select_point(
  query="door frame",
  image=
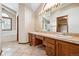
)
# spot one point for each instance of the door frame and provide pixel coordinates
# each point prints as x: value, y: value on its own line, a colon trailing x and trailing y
x: 17, y: 28
x: 57, y: 22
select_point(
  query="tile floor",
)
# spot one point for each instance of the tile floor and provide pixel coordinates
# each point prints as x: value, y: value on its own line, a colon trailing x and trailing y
x: 15, y: 49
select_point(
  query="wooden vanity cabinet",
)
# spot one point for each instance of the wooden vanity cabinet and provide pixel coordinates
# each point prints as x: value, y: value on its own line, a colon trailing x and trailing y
x: 50, y: 46
x: 55, y: 47
x: 66, y: 49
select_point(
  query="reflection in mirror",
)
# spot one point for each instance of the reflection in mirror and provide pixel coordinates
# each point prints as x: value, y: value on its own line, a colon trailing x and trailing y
x: 46, y: 24
x: 62, y: 24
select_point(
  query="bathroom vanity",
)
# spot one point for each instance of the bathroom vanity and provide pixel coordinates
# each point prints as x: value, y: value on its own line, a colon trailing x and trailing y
x: 56, y: 44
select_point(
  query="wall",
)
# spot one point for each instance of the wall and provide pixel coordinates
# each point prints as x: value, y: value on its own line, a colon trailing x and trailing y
x: 29, y: 21
x: 26, y: 22
x: 10, y: 35
x: 38, y: 23
x: 38, y: 19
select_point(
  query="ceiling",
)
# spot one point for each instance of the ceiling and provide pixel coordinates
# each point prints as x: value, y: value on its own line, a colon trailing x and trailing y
x: 34, y: 6
x: 14, y: 6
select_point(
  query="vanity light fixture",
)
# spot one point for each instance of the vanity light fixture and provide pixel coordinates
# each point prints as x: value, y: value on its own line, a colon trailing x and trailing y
x: 47, y: 6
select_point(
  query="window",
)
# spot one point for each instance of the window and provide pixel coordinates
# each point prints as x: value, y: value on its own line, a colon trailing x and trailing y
x: 7, y: 22
x: 4, y: 15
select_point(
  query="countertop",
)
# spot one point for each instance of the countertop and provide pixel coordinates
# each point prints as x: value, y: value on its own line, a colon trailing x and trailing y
x: 59, y: 36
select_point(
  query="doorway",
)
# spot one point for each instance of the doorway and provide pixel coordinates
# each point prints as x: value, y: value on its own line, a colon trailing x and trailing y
x: 62, y: 23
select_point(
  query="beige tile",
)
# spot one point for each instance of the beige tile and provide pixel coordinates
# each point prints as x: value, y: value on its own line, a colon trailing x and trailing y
x: 15, y: 49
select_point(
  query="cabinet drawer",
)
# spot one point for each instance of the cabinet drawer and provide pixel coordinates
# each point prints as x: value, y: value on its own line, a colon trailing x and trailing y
x: 50, y: 40
x: 50, y: 45
x: 39, y: 37
x: 50, y: 52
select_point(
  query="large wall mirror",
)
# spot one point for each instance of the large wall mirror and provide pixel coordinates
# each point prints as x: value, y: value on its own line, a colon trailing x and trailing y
x: 64, y: 18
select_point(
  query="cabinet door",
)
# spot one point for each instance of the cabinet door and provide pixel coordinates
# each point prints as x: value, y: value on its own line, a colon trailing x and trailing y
x: 61, y: 49
x: 74, y: 50
x: 66, y: 49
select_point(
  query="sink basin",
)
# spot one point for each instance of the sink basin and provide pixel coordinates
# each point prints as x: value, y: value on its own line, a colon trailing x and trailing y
x: 59, y: 33
x: 66, y: 34
x: 71, y: 34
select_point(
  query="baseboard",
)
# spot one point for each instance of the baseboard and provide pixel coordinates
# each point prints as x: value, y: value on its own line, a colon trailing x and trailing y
x: 24, y: 43
x: 0, y: 52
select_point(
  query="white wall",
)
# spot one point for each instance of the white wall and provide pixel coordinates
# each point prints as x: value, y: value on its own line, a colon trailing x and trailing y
x: 38, y: 23
x: 26, y: 22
